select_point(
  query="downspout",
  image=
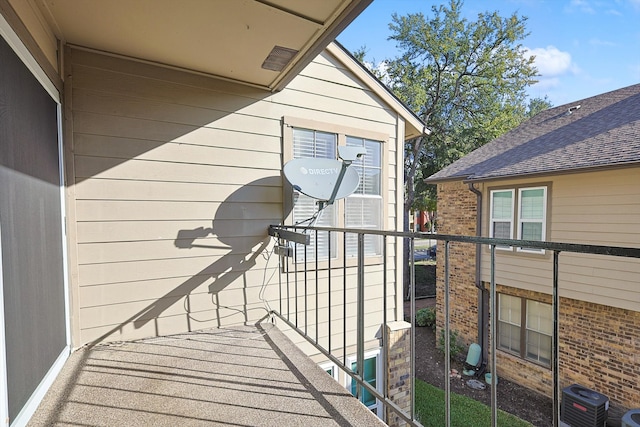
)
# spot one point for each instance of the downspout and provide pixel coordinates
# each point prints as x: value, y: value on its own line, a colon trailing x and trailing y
x: 483, y: 300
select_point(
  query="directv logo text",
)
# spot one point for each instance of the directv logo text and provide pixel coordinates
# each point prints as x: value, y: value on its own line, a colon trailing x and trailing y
x: 320, y: 171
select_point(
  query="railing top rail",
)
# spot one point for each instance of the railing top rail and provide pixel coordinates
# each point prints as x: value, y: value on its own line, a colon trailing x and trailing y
x: 553, y: 246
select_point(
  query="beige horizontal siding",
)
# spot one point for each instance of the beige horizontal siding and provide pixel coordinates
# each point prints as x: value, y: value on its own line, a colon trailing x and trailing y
x: 176, y: 180
x: 131, y: 231
x: 96, y: 189
x: 599, y: 208
x: 112, y: 168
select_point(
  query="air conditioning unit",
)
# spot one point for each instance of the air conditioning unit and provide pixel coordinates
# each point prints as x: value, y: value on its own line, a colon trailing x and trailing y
x: 631, y: 418
x: 582, y: 407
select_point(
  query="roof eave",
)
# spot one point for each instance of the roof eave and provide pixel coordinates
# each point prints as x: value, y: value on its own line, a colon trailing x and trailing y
x: 471, y: 179
x: 414, y: 126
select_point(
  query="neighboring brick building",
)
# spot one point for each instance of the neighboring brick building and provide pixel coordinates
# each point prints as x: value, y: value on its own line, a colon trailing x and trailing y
x: 570, y: 174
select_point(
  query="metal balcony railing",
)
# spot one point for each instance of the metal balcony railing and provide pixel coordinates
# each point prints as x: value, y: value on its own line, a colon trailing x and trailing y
x: 320, y: 271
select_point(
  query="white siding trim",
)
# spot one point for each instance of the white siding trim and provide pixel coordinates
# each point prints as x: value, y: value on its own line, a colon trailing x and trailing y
x: 63, y: 225
x: 23, y: 53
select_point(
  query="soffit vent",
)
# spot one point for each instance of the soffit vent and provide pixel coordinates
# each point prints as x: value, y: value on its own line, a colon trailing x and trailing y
x: 278, y: 58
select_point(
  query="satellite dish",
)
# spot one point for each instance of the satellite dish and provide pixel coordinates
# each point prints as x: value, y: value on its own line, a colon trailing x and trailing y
x: 318, y: 177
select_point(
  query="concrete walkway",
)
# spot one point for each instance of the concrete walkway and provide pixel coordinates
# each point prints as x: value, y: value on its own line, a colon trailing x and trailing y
x: 239, y: 376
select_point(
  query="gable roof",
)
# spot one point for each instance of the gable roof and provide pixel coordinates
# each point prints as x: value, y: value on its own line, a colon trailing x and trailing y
x: 597, y: 132
x: 414, y: 126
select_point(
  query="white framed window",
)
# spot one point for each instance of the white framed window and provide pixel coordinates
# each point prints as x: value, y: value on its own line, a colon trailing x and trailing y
x: 365, y: 208
x: 510, y: 318
x: 532, y: 215
x: 539, y: 332
x: 372, y: 372
x: 308, y: 143
x: 525, y: 328
x: 501, y: 215
x: 519, y: 212
x: 331, y: 369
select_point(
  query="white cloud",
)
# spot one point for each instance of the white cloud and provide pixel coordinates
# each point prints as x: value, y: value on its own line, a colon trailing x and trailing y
x: 598, y: 43
x: 583, y: 5
x: 551, y: 61
x: 547, y: 84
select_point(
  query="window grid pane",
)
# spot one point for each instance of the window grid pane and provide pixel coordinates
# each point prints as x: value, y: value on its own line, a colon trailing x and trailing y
x: 510, y: 309
x: 539, y: 347
x: 502, y: 205
x: 363, y: 209
x: 363, y: 212
x: 531, y: 215
x: 531, y: 231
x: 502, y: 230
x: 369, y: 166
x: 309, y: 143
x: 509, y: 320
x: 539, y: 317
x: 509, y: 337
x: 501, y: 215
x: 532, y: 204
x: 369, y: 375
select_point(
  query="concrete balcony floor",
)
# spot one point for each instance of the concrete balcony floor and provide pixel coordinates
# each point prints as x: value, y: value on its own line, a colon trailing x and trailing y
x: 234, y: 376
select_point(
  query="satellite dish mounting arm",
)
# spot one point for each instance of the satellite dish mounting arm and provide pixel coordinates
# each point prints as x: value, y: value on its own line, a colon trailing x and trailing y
x: 348, y: 155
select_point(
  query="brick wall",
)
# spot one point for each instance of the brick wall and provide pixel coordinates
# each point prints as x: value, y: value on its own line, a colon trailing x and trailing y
x: 600, y: 349
x: 399, y: 370
x: 457, y: 215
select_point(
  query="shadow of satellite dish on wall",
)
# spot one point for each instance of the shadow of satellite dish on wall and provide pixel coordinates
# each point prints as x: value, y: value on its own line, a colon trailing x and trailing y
x: 241, y: 224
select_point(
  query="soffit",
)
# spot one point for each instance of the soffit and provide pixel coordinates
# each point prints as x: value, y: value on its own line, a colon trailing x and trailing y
x: 226, y: 38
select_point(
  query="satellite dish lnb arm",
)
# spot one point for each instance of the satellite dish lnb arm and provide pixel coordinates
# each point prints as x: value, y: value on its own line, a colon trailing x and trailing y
x: 348, y: 155
x: 343, y: 169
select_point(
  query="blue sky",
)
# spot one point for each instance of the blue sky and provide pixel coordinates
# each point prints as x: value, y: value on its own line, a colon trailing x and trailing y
x: 582, y: 47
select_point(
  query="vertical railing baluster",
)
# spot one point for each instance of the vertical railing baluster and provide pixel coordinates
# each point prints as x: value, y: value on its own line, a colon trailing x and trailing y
x: 306, y: 292
x: 447, y: 353
x: 493, y: 316
x: 295, y: 287
x: 317, y: 281
x: 412, y: 315
x: 385, y: 346
x: 360, y: 314
x: 329, y: 289
x: 556, y: 342
x: 287, y: 265
x: 281, y: 263
x: 344, y: 298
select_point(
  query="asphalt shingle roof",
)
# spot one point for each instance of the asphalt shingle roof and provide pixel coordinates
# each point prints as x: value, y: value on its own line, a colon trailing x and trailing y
x: 603, y: 131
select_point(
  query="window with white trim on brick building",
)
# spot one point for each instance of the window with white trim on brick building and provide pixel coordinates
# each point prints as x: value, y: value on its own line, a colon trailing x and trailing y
x: 525, y: 328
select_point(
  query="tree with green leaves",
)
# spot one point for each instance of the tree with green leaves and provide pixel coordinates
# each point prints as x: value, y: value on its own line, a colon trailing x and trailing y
x: 465, y: 79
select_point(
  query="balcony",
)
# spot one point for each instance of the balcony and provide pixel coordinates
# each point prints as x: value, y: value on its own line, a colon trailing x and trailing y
x: 242, y: 376
x: 337, y: 308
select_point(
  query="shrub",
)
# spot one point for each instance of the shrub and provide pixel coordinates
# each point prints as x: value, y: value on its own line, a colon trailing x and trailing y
x: 426, y: 317
x: 455, y: 346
